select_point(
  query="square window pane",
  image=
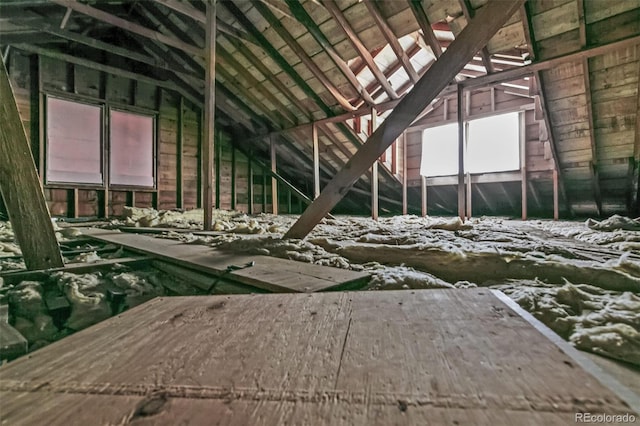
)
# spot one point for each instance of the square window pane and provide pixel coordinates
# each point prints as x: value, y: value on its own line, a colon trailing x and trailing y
x: 131, y: 155
x: 494, y: 144
x: 440, y: 151
x: 73, y: 142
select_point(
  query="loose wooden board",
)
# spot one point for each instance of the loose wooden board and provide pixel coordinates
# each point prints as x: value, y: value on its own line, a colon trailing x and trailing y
x: 365, y: 358
x: 269, y: 273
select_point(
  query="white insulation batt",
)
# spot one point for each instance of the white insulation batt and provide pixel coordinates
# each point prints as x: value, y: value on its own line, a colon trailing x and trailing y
x: 87, y: 295
x: 582, y: 279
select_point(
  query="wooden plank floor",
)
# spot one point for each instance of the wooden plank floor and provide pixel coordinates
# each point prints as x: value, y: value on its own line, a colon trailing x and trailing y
x: 269, y: 273
x: 424, y: 357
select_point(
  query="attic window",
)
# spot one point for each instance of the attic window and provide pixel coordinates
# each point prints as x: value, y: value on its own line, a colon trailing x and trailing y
x: 493, y: 144
x: 131, y: 149
x: 440, y: 151
x: 74, y: 142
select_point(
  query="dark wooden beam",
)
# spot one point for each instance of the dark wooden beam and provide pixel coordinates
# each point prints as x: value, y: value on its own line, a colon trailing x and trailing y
x: 298, y: 10
x: 208, y: 138
x: 107, y: 69
x: 107, y: 47
x: 357, y: 43
x: 487, y: 22
x: 425, y: 26
x: 116, y: 21
x: 20, y: 187
x: 391, y: 38
x: 300, y: 52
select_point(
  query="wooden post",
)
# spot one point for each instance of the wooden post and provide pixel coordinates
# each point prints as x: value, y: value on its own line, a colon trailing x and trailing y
x: 249, y: 186
x: 475, y: 35
x: 179, y: 154
x: 461, y: 197
x: 274, y: 182
x: 423, y: 193
x: 469, y: 196
x: 234, y: 192
x: 556, y: 212
x: 374, y: 170
x: 264, y: 190
x: 20, y: 187
x: 523, y: 163
x: 209, y: 114
x: 217, y: 149
x: 405, y: 201
x: 316, y: 161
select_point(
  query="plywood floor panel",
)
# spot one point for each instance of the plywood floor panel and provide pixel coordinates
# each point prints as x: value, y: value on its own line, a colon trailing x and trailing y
x: 420, y: 357
x: 269, y: 273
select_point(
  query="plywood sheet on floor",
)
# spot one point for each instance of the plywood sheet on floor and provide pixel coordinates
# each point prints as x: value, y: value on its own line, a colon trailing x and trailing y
x: 367, y: 358
x: 269, y: 273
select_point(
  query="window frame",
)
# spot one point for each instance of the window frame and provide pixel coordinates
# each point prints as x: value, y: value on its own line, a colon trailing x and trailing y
x: 105, y: 141
x: 154, y: 148
x: 519, y: 113
x: 46, y: 147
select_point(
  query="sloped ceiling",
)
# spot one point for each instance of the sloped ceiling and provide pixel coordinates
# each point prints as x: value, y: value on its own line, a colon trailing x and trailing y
x: 282, y: 64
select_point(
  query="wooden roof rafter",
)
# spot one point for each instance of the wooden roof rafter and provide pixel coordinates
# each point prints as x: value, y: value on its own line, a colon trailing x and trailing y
x: 226, y: 58
x: 595, y: 175
x: 469, y: 13
x: 489, y: 20
x: 128, y: 53
x: 277, y: 57
x: 301, y: 15
x: 304, y: 57
x: 427, y: 31
x: 391, y: 38
x: 129, y: 26
x: 357, y: 43
x: 269, y: 76
x: 530, y: 39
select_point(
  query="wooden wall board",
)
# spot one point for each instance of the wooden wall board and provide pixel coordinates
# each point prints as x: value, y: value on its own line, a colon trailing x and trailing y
x: 361, y: 358
x: 270, y: 273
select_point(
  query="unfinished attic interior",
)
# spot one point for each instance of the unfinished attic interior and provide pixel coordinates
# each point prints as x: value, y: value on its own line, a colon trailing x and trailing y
x: 319, y: 212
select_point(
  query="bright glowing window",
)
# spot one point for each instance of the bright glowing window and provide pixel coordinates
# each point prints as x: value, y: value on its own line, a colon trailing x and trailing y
x: 493, y: 144
x: 440, y: 151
